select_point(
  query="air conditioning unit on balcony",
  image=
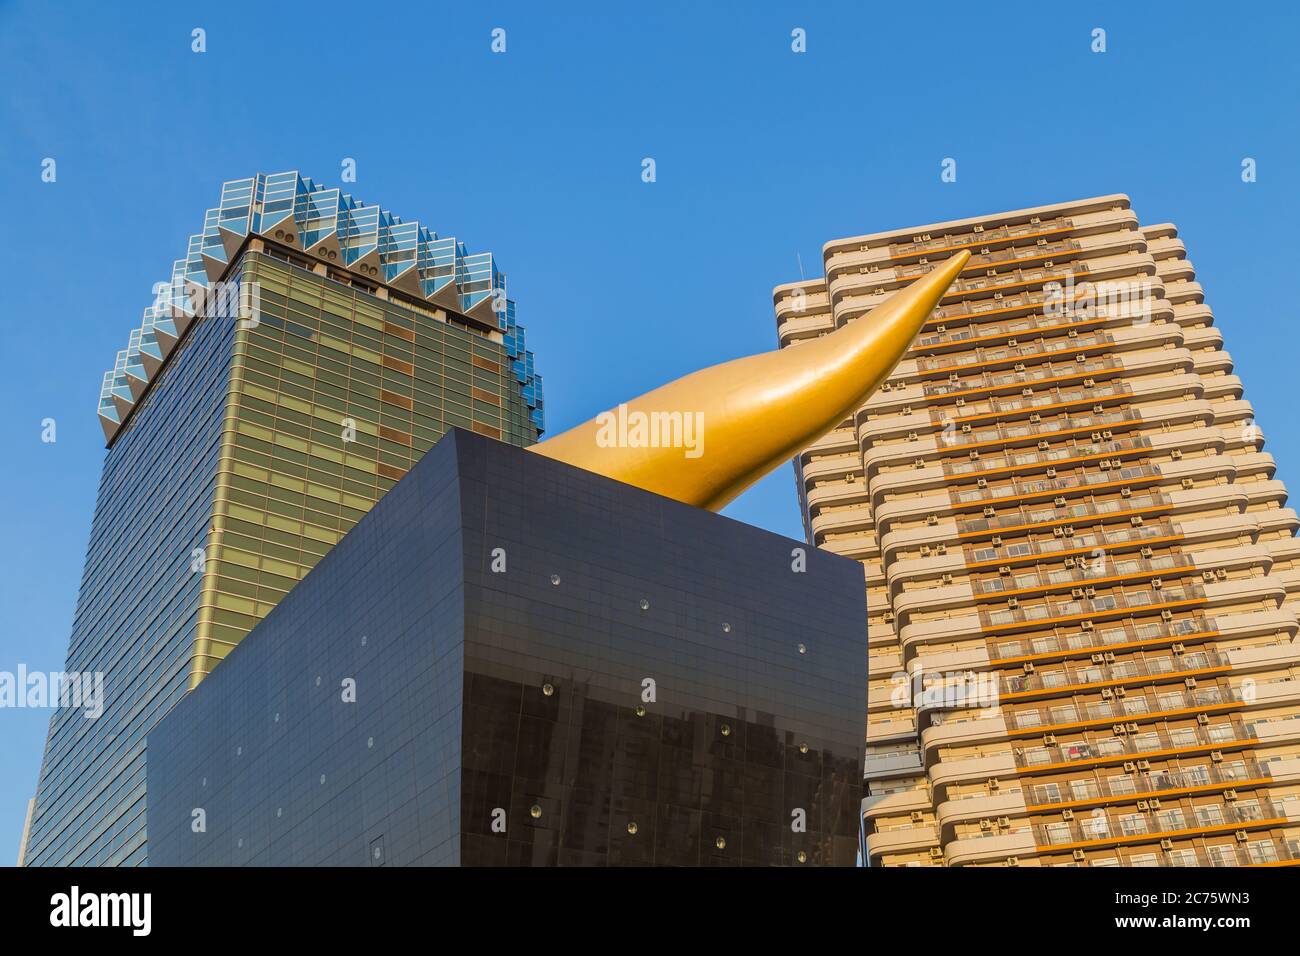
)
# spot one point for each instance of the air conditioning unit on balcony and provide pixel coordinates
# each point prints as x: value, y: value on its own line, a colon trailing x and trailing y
x: 887, y: 387
x: 953, y: 377
x: 1241, y: 836
x: 936, y: 853
x: 931, y: 519
x: 1104, y: 464
x: 907, y: 409
x: 1044, y: 445
x: 974, y: 455
x: 1144, y: 764
x: 918, y: 463
x: 917, y: 816
x: 1051, y: 472
x: 1202, y: 719
x: 1166, y: 615
x: 986, y: 824
x: 1095, y: 436
x: 946, y: 579
x: 1106, y: 434
x: 1085, y: 625
x: 1027, y: 667
x: 1013, y: 861
x: 1129, y: 766
x: 1076, y: 592
x: 1146, y: 552
x: 1166, y: 844
x: 1081, y: 358
x: 1107, y: 694
x: 966, y: 429
x: 1069, y: 531
x: 1155, y: 803
x: 1121, y: 692
x: 1078, y: 856
x: 1026, y: 393
x: 1004, y: 569
x: 1176, y: 454
x: 1073, y: 333
x: 1216, y: 756
x: 1098, y: 658
x: 1049, y: 740
x: 1071, y: 562
x: 925, y: 550
x: 1058, y: 532
x: 1221, y: 573
x: 997, y: 295
x: 1207, y: 575
x: 984, y: 483
x: 960, y: 402
x: 1157, y: 583
x: 1004, y: 822
x: 1230, y: 794
x: 1012, y: 343
x: 1012, y: 603
x: 1143, y: 805
x: 1135, y: 521
x: 996, y: 541
x: 911, y: 436
x: 942, y: 549
x: 1019, y: 367
x: 1190, y: 682
x: 990, y: 511
x: 1126, y: 492
x: 1090, y: 591
x: 1067, y: 814
x: 888, y: 617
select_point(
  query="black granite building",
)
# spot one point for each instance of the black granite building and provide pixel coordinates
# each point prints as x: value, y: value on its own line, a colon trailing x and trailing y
x: 511, y: 661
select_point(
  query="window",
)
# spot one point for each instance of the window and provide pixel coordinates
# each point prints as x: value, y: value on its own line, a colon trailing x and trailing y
x: 1223, y: 855
x: 1209, y: 815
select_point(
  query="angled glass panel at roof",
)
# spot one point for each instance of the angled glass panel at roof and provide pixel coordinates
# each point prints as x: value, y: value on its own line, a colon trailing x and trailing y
x: 278, y: 199
x: 318, y: 216
x: 398, y: 242
x: 359, y: 232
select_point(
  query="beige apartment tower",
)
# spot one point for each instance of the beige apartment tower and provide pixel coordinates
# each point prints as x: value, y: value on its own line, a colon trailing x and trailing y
x: 1081, y: 572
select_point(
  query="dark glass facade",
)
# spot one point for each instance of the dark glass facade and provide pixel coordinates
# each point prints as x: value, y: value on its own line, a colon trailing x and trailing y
x: 510, y: 661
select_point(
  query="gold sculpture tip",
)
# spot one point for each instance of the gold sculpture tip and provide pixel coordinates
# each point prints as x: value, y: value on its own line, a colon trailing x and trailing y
x: 705, y: 438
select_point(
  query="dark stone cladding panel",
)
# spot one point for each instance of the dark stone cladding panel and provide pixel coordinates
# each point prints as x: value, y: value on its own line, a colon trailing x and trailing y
x: 453, y: 729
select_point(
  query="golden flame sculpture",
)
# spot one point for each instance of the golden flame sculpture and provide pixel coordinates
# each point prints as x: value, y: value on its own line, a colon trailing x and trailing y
x: 705, y: 438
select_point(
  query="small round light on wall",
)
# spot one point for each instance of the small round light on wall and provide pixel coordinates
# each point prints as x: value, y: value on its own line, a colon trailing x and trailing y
x: 277, y: 716
x: 322, y: 778
x: 726, y: 628
x: 317, y: 680
x: 803, y: 748
x: 279, y: 812
x: 726, y: 730
x: 801, y: 856
x: 370, y: 742
x: 720, y: 843
x: 535, y: 812
x: 645, y: 605
x: 632, y: 828
x: 547, y: 690
x: 803, y: 648
x: 640, y: 710
x: 555, y: 579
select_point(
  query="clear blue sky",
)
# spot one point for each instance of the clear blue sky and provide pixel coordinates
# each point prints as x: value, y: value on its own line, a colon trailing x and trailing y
x: 762, y: 155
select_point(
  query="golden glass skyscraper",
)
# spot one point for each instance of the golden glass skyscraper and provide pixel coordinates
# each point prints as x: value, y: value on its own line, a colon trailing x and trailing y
x: 306, y: 352
x: 1080, y: 567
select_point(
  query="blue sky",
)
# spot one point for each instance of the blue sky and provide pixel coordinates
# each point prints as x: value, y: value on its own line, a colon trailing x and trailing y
x: 761, y: 155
